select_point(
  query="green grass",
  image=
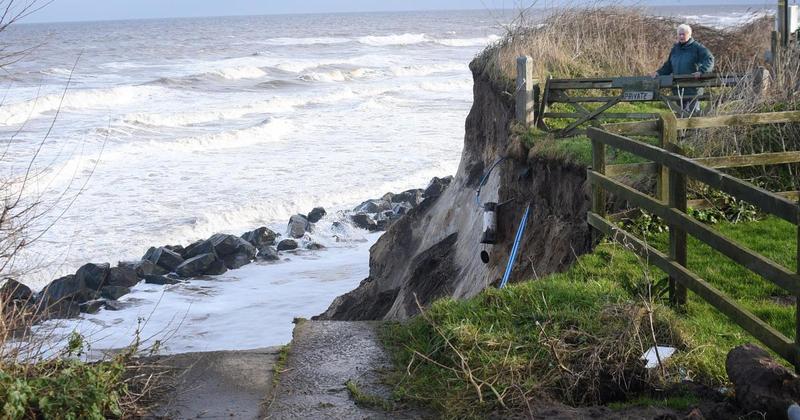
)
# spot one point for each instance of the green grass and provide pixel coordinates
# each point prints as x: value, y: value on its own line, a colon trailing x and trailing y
x: 578, y: 149
x: 576, y: 336
x: 280, y: 365
x: 366, y: 400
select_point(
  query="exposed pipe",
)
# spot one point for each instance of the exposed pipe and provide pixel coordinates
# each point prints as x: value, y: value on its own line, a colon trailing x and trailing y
x: 515, y: 248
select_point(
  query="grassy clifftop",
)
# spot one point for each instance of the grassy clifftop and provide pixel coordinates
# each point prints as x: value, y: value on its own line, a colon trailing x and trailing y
x: 577, y: 337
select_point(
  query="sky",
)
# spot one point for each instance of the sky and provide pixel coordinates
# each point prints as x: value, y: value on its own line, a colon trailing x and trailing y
x: 88, y: 10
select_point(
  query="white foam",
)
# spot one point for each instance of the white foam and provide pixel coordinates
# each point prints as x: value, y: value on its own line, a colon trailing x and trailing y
x: 19, y: 112
x: 469, y: 42
x: 58, y: 71
x: 338, y: 75
x: 220, y: 313
x: 390, y: 40
x: 727, y: 20
x: 446, y: 86
x: 427, y: 70
x: 305, y: 41
x: 268, y: 131
x: 242, y: 72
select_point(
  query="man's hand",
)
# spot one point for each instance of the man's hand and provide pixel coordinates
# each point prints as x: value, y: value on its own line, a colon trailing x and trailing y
x: 654, y: 74
x: 697, y: 74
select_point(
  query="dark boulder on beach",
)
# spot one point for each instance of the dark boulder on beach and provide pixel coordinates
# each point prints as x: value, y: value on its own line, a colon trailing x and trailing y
x: 315, y: 246
x: 198, y: 248
x: 287, y: 245
x: 92, y: 306
x: 114, y: 292
x: 243, y: 254
x: 412, y: 197
x: 373, y: 206
x: 298, y: 225
x: 12, y: 291
x: 67, y: 288
x: 123, y: 275
x: 437, y: 186
x: 364, y: 221
x: 260, y: 237
x: 145, y: 268
x: 268, y: 253
x: 160, y: 280
x: 224, y: 244
x: 196, y: 266
x: 178, y: 249
x: 164, y: 258
x: 216, y: 268
x: 61, y: 310
x: 93, y: 276
x: 316, y: 214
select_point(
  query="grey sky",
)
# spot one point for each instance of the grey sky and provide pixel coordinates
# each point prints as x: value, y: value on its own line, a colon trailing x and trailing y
x: 79, y: 10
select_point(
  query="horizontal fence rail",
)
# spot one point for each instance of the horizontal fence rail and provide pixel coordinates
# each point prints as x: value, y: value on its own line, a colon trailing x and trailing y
x: 767, y: 201
x: 672, y: 170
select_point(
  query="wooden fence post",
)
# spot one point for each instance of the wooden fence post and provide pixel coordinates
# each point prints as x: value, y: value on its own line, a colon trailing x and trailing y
x: 797, y: 303
x: 525, y: 90
x: 775, y: 47
x: 677, y: 236
x: 598, y: 165
x: 668, y: 125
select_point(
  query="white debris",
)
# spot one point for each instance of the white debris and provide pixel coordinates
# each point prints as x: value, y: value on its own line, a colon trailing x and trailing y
x: 652, y: 358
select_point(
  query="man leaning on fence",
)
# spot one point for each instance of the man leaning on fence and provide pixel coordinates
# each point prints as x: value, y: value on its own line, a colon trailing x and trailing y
x: 687, y: 57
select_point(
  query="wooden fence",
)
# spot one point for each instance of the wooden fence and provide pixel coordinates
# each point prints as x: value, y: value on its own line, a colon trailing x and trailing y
x: 672, y: 170
x: 618, y: 90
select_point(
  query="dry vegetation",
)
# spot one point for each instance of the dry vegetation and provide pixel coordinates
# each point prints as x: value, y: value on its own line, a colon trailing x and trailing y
x: 612, y: 41
x: 42, y: 376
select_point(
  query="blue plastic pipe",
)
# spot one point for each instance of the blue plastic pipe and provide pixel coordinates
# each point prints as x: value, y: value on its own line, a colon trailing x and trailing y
x: 513, y: 257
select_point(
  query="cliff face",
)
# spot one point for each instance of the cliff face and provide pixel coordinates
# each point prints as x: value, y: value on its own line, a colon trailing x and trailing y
x: 434, y: 251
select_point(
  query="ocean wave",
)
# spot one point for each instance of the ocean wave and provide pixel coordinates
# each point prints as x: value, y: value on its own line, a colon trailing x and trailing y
x: 425, y: 70
x: 270, y: 130
x: 182, y: 119
x: 19, y: 112
x: 337, y: 75
x: 389, y: 40
x: 468, y: 42
x: 57, y: 71
x: 413, y: 39
x: 727, y: 21
x: 305, y: 41
x: 238, y: 73
x: 446, y: 86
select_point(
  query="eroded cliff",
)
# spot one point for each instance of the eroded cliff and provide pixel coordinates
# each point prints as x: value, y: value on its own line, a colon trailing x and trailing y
x: 434, y: 250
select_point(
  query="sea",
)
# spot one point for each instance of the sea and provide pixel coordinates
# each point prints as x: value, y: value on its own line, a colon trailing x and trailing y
x: 131, y: 134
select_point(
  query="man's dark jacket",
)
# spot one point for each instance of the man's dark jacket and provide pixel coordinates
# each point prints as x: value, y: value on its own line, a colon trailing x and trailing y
x: 688, y: 58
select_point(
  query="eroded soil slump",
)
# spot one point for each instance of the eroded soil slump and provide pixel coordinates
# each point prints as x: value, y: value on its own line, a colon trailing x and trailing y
x: 434, y: 251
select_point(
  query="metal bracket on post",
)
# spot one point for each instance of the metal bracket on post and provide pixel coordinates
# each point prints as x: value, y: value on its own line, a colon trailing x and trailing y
x: 525, y: 91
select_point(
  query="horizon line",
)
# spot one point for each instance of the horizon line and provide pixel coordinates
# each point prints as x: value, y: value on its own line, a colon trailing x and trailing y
x: 22, y: 22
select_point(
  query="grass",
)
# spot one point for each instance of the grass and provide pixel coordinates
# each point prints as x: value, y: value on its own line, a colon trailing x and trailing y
x: 577, y: 336
x: 366, y: 400
x: 578, y: 149
x: 280, y: 365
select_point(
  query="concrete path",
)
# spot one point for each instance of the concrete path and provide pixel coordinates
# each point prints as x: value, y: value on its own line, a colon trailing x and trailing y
x: 218, y: 385
x: 323, y: 357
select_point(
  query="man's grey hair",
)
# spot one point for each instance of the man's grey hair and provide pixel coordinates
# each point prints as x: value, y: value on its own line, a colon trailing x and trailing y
x: 685, y: 29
